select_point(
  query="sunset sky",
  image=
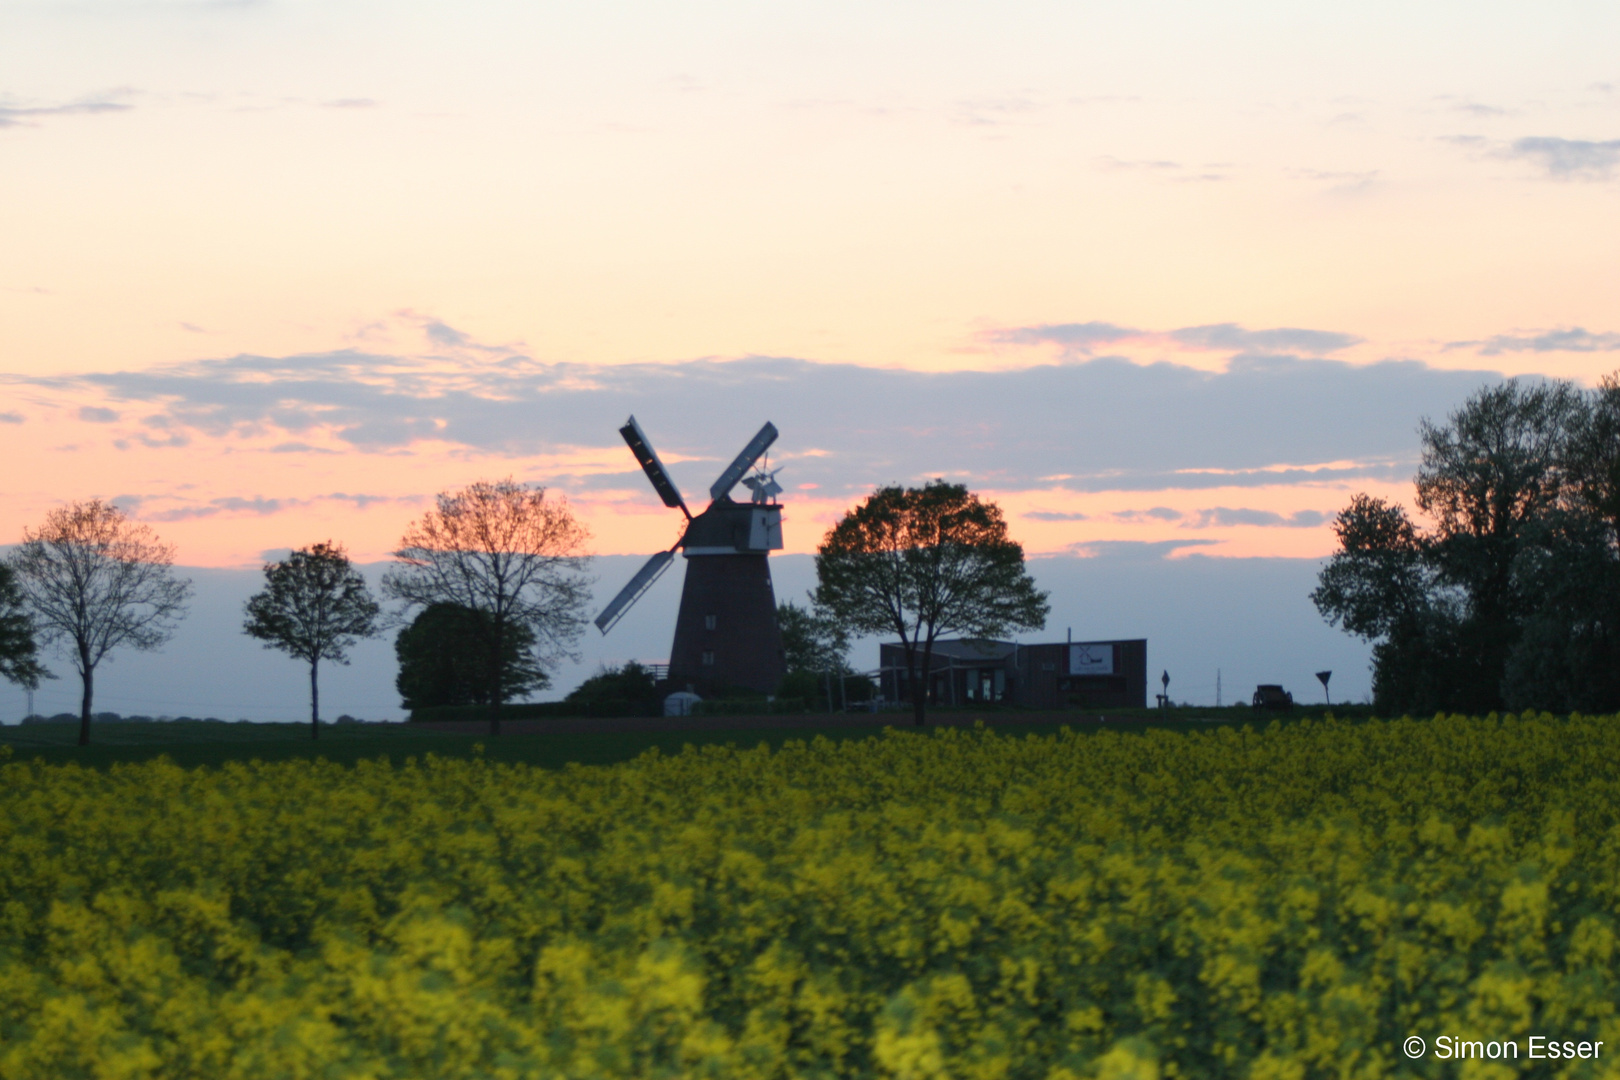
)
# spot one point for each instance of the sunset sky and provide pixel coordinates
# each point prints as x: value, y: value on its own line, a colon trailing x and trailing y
x: 1179, y: 273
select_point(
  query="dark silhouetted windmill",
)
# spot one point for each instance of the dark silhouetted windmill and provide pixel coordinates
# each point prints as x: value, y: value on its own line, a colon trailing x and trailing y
x: 726, y: 633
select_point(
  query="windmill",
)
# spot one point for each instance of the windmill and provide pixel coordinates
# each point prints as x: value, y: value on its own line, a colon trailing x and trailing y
x: 726, y: 633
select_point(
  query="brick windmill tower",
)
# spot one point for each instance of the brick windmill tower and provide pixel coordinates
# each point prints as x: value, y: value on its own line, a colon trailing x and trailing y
x: 726, y: 633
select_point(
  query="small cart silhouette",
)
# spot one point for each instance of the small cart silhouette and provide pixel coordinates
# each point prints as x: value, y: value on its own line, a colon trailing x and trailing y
x: 1270, y: 697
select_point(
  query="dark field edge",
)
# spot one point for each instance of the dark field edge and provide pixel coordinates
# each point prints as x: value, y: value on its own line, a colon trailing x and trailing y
x: 555, y: 744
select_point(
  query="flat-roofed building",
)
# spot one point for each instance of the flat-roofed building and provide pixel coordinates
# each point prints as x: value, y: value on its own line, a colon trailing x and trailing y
x: 1080, y: 674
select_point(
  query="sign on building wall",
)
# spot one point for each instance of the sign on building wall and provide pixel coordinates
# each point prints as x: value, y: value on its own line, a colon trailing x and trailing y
x: 1095, y: 658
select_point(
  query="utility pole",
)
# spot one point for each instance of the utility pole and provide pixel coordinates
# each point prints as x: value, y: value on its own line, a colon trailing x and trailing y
x: 1217, y: 688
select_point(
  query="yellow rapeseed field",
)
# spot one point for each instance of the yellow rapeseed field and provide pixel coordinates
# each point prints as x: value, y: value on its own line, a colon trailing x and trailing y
x: 1285, y: 902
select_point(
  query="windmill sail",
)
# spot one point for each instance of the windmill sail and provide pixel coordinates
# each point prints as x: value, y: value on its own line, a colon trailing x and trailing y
x: 745, y: 461
x: 648, y: 457
x: 632, y: 592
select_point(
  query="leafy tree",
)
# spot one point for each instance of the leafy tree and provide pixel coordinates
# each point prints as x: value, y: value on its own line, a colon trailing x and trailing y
x: 630, y: 683
x: 1491, y: 477
x: 1512, y: 596
x: 812, y: 640
x: 1382, y: 586
x: 925, y: 562
x: 97, y: 581
x: 444, y: 659
x: 816, y: 650
x: 1379, y: 580
x: 315, y: 606
x: 511, y: 552
x: 19, y: 662
x: 1593, y: 460
x: 1569, y: 654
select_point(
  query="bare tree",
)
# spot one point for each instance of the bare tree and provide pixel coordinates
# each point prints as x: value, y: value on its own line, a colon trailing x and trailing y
x: 315, y: 605
x: 922, y: 562
x: 97, y: 581
x: 509, y: 551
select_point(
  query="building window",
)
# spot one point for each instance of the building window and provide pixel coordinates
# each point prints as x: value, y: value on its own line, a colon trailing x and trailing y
x: 708, y: 622
x: 708, y: 659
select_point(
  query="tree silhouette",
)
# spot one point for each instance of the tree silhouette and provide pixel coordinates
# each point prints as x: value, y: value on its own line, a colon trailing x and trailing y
x: 315, y: 605
x: 1511, y: 596
x: 509, y: 551
x: 98, y: 581
x: 19, y: 660
x: 921, y: 563
x: 443, y: 659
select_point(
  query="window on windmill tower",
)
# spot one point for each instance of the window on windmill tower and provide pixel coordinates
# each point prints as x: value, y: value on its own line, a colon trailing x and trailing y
x: 708, y: 622
x: 708, y: 659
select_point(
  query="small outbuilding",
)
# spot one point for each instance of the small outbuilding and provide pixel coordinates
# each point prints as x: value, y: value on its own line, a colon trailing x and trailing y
x: 680, y: 703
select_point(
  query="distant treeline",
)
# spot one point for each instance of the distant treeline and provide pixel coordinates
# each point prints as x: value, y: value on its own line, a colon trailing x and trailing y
x: 116, y: 718
x: 605, y: 709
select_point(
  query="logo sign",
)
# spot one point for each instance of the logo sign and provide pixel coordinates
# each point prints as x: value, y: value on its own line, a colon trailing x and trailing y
x: 1096, y: 658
